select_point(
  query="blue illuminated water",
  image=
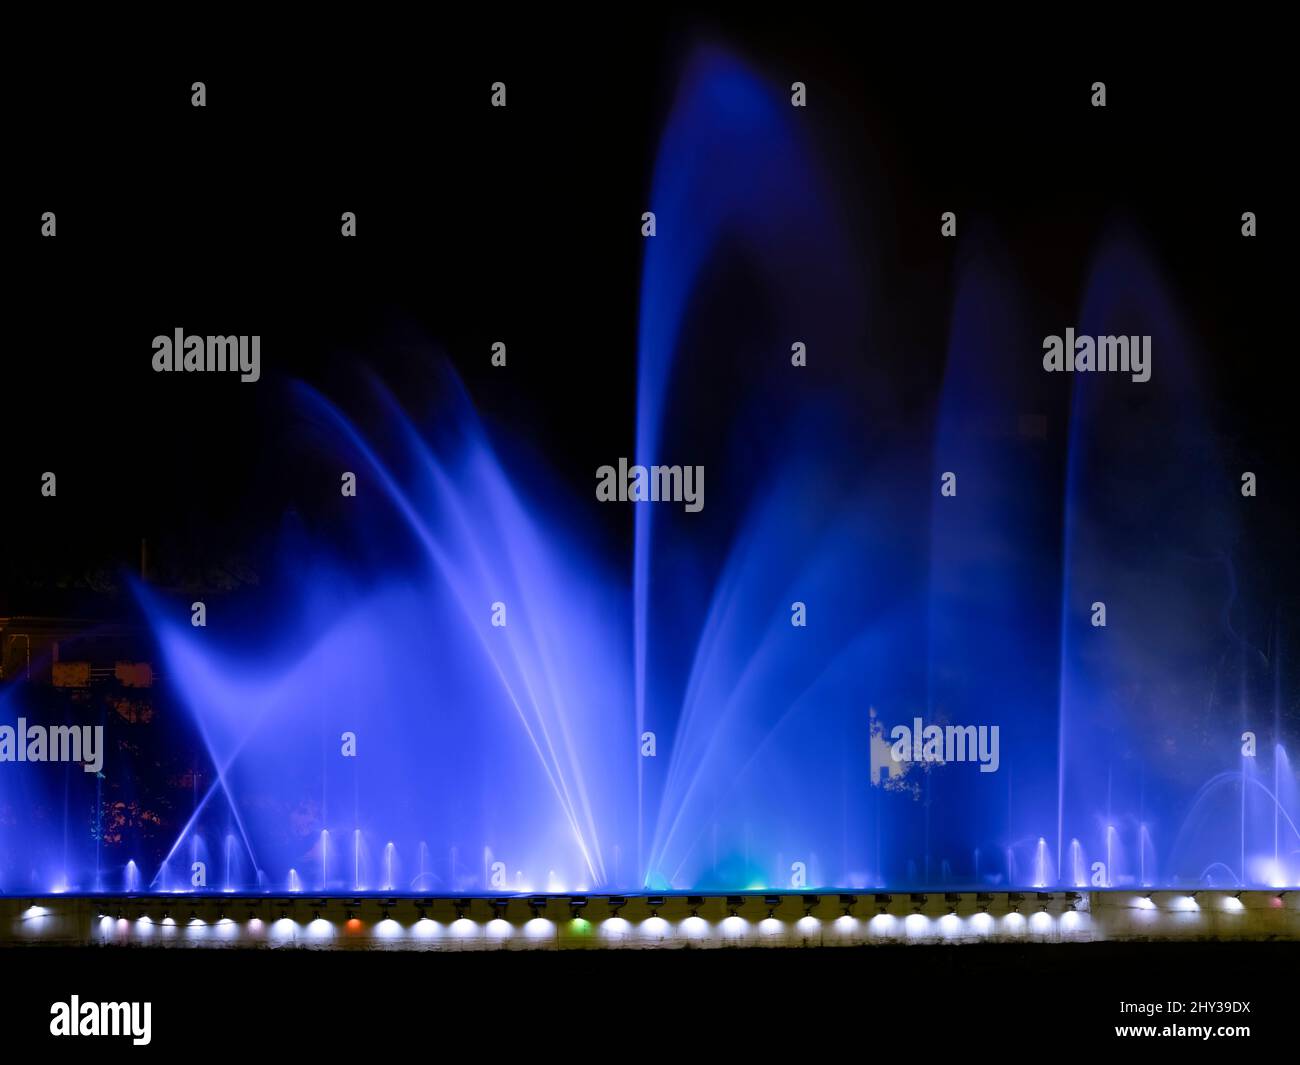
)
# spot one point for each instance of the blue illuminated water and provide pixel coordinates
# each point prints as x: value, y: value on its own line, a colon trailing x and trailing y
x: 367, y: 726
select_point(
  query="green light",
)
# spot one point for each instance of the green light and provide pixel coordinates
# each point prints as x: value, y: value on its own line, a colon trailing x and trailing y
x: 581, y: 926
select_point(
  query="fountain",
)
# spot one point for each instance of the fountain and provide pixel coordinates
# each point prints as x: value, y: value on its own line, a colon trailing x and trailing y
x: 464, y: 665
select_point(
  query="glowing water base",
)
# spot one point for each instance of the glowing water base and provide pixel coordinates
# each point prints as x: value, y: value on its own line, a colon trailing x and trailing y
x: 862, y: 656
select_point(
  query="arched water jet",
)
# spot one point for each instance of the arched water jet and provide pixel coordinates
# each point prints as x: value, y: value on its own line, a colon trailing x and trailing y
x: 1222, y: 807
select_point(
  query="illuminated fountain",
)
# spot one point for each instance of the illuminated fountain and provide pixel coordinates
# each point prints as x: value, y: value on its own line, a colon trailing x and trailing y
x: 462, y: 690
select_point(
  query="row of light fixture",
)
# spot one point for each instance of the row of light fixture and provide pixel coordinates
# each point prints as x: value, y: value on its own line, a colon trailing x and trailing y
x: 537, y: 904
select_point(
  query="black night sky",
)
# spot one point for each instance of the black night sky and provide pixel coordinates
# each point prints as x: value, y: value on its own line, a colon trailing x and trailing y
x: 523, y: 225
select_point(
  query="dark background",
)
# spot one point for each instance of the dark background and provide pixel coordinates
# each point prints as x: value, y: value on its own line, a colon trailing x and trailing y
x: 478, y: 224
x: 980, y: 1002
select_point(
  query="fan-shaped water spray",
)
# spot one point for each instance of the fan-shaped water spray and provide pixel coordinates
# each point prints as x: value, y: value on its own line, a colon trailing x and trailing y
x: 460, y: 687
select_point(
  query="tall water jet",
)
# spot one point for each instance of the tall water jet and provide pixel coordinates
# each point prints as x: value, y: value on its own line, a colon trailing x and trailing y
x: 992, y: 562
x: 390, y: 858
x: 228, y: 882
x: 358, y: 883
x: 1147, y: 572
x: 1078, y: 865
x: 1146, y: 853
x: 1042, y: 874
